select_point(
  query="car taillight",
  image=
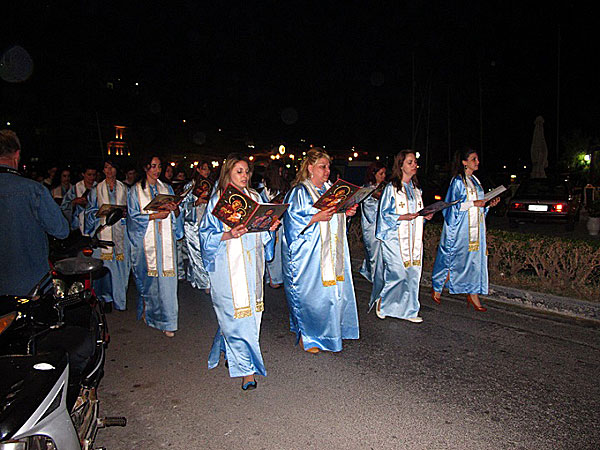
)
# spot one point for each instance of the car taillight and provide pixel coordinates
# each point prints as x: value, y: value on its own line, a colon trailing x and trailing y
x: 517, y: 206
x: 559, y: 207
x: 87, y: 251
x: 437, y: 197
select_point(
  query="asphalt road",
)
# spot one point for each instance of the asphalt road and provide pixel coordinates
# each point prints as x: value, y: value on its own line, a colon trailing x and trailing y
x: 504, y: 379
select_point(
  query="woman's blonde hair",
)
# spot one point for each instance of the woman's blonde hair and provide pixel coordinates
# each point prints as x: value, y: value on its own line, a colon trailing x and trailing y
x: 232, y: 160
x: 312, y: 156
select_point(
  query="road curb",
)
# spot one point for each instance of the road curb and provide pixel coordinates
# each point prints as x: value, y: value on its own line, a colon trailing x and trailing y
x: 536, y: 301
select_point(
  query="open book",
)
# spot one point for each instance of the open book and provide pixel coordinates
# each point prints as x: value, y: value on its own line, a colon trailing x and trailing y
x: 435, y: 207
x: 494, y: 193
x: 158, y: 202
x: 342, y: 195
x: 235, y: 207
x: 107, y: 208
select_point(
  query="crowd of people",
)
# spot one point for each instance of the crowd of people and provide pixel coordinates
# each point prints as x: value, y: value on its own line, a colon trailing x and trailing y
x: 306, y: 251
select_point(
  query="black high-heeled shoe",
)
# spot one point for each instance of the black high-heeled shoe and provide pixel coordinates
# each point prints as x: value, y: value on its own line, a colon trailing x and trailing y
x: 477, y: 308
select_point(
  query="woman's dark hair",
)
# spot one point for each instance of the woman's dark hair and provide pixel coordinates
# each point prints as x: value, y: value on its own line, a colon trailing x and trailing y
x: 145, y: 164
x: 372, y: 170
x: 196, y: 176
x: 397, y: 169
x: 457, y: 163
x: 58, y: 176
x: 274, y: 180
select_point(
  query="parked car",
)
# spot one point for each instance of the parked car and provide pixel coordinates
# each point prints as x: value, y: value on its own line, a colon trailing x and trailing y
x: 544, y: 200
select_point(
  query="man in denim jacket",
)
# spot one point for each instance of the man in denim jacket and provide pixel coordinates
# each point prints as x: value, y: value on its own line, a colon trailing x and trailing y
x: 27, y: 213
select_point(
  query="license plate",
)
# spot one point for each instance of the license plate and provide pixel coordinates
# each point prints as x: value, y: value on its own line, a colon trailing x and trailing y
x: 537, y: 207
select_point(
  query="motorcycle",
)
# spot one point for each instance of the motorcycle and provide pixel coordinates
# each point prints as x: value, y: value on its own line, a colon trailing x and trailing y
x: 52, y: 354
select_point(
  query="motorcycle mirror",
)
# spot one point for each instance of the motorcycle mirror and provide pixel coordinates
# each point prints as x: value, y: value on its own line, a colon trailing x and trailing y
x: 114, y: 216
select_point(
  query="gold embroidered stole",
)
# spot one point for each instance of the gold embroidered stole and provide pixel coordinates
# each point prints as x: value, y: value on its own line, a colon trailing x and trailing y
x: 474, y: 213
x: 164, y: 228
x: 237, y: 259
x: 116, y: 233
x: 410, y: 232
x: 332, y: 245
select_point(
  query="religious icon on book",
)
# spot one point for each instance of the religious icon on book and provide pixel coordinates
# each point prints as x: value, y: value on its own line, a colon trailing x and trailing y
x: 235, y: 207
x: 337, y: 195
x: 203, y: 188
x: 158, y: 203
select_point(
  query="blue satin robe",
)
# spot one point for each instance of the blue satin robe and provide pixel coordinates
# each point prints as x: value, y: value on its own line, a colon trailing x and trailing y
x: 321, y: 315
x: 273, y: 270
x: 368, y: 220
x: 157, y: 300
x: 396, y: 285
x: 196, y: 273
x: 112, y: 287
x: 238, y: 338
x: 467, y: 270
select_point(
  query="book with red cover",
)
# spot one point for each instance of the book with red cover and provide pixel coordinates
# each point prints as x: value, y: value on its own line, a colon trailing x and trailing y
x: 234, y: 207
x: 342, y: 195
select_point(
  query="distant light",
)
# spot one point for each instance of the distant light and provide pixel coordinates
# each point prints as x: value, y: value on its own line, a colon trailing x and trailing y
x: 220, y: 129
x: 191, y: 166
x: 377, y: 158
x: 349, y: 158
x: 524, y: 167
x: 586, y: 158
x: 196, y: 163
x: 353, y: 147
x: 183, y: 120
x: 8, y: 124
x: 282, y: 149
x: 302, y: 140
x: 276, y: 156
x: 291, y: 155
x: 355, y: 155
x: 323, y: 146
x: 215, y: 163
x: 437, y: 197
x: 272, y: 156
x: 418, y: 155
x: 513, y: 177
x: 251, y: 158
x: 137, y: 84
x: 303, y: 153
x: 172, y: 163
x: 288, y: 166
x: 504, y: 167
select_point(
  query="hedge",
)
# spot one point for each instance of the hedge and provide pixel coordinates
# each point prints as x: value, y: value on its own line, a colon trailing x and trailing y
x: 546, y: 264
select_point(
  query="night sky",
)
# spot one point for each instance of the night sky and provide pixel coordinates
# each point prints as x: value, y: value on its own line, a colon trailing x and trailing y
x: 334, y: 73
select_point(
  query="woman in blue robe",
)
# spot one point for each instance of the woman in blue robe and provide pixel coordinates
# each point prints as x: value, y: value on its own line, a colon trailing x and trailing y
x: 316, y: 262
x: 275, y: 186
x: 461, y: 260
x: 112, y: 287
x: 235, y: 260
x: 193, y: 207
x: 375, y: 176
x: 154, y: 259
x: 400, y: 233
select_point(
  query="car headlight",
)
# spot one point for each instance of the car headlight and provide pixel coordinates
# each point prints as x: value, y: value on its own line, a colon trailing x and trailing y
x: 76, y: 288
x: 59, y: 287
x: 6, y: 320
x: 29, y: 443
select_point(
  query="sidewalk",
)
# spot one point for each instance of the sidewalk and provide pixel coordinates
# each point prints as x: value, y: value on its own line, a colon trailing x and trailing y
x: 536, y: 301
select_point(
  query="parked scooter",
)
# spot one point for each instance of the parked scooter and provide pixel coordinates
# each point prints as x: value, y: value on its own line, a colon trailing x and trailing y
x: 53, y: 344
